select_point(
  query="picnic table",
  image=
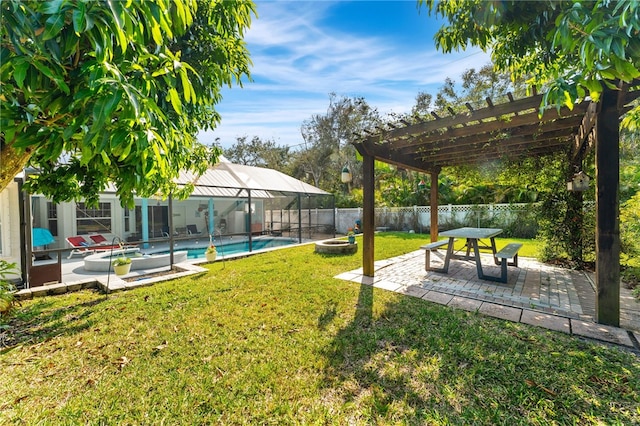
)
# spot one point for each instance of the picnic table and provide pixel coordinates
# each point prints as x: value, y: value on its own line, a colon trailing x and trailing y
x: 473, y: 238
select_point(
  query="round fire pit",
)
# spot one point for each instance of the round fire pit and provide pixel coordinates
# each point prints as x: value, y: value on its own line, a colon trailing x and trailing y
x: 336, y: 247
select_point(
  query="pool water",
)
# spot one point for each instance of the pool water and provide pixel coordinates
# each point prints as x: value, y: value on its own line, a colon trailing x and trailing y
x: 236, y: 248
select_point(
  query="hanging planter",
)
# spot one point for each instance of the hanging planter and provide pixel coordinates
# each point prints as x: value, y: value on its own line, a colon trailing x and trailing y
x: 211, y: 253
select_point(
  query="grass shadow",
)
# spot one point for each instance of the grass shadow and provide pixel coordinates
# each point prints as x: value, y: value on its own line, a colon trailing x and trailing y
x: 405, y: 360
x: 36, y: 323
x: 327, y: 315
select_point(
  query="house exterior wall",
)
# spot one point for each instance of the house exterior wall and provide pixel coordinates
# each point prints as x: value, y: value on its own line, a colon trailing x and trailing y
x: 10, y: 247
x: 66, y: 218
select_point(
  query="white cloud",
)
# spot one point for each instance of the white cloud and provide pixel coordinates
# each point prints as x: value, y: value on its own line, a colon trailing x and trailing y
x: 298, y: 61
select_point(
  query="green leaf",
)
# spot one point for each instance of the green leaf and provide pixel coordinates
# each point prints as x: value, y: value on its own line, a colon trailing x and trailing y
x: 105, y: 157
x: 618, y: 50
x: 156, y: 33
x: 51, y: 7
x: 593, y: 86
x: 187, y: 89
x: 118, y: 138
x: 133, y: 100
x: 53, y: 26
x: 78, y: 18
x: 69, y: 131
x: 48, y: 72
x: 175, y: 100
x: 156, y: 152
x: 20, y: 72
x: 105, y: 106
x: 626, y: 69
x: 161, y: 71
x: 607, y: 74
x: 117, y: 12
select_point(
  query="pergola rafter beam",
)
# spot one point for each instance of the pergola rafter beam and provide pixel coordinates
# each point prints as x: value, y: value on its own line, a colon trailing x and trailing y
x: 524, y: 104
x: 381, y: 152
x: 514, y: 145
x: 499, y: 123
x: 564, y: 128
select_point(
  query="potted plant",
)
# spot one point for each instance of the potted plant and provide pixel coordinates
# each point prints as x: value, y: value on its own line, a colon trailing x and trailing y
x: 121, y: 265
x: 7, y: 291
x: 211, y: 253
x: 351, y: 236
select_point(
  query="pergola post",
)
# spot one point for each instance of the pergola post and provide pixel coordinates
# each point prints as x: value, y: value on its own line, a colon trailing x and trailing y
x: 250, y: 219
x: 368, y: 214
x: 170, y: 224
x: 607, y: 147
x: 433, y: 230
x: 575, y: 211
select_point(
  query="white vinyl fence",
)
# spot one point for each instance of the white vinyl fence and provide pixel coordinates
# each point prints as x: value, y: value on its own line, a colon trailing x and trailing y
x: 418, y: 218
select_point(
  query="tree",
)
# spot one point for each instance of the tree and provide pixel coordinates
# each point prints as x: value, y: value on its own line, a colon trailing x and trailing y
x: 102, y: 91
x: 258, y: 153
x: 571, y: 49
x: 477, y: 85
x: 327, y: 140
x: 422, y: 107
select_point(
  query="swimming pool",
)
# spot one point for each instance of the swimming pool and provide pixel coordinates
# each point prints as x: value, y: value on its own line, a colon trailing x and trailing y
x: 237, y: 248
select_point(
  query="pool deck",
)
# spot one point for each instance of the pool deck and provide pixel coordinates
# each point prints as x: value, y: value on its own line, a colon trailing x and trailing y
x: 74, y: 276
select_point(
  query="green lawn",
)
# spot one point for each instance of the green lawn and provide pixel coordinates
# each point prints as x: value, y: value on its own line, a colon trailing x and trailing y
x: 274, y: 339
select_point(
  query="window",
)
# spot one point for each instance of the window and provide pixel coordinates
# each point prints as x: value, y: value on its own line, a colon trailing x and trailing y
x: 127, y: 217
x: 93, y: 219
x: 52, y: 218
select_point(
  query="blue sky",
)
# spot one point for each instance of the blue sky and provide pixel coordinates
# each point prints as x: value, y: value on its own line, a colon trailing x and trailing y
x: 302, y: 51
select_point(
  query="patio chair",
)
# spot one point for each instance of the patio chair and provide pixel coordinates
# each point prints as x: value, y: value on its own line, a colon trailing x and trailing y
x: 165, y: 232
x: 193, y: 230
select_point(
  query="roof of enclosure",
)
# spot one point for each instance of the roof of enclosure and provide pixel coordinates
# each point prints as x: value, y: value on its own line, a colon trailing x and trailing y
x: 226, y: 179
x: 510, y: 130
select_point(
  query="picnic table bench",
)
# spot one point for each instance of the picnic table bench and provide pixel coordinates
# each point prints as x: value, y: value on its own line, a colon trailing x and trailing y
x: 510, y: 251
x: 428, y: 248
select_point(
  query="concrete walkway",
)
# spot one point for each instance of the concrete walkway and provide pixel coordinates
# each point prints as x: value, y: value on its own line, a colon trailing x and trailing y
x: 537, y: 294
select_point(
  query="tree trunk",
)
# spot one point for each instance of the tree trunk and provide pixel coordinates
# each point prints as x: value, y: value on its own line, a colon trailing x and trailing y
x: 12, y: 162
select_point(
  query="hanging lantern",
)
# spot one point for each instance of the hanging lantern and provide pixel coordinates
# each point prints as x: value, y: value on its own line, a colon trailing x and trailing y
x: 345, y: 176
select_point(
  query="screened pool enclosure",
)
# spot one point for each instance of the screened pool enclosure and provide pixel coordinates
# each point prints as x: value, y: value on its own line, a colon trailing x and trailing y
x: 231, y: 203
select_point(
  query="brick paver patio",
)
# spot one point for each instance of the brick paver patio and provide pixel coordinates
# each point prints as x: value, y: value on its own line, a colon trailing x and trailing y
x: 536, y: 293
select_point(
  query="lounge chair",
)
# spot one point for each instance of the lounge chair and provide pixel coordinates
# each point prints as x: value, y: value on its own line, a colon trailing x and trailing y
x: 82, y: 247
x: 99, y: 239
x: 101, y: 242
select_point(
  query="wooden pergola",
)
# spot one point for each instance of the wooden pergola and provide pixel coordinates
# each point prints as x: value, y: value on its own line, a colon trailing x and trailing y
x: 512, y: 130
